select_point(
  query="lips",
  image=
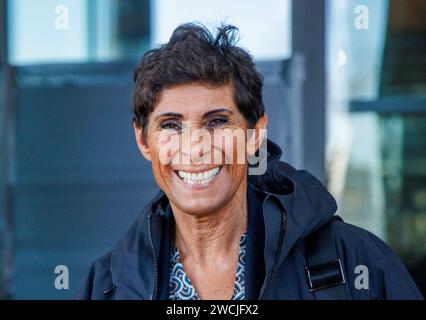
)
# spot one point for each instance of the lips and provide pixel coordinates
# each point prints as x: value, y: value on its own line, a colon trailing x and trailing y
x: 202, y: 177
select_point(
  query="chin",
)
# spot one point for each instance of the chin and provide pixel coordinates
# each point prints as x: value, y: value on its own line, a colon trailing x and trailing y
x: 200, y: 206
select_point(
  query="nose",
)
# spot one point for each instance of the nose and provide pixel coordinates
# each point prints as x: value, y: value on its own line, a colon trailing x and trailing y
x: 197, y: 145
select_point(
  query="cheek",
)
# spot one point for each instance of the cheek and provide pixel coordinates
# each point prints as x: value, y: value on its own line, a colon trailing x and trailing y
x: 161, y: 153
x: 232, y: 144
x: 162, y: 175
x: 168, y: 148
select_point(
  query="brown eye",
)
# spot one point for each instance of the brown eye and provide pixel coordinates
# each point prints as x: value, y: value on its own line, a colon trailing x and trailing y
x: 170, y: 125
x: 217, y: 122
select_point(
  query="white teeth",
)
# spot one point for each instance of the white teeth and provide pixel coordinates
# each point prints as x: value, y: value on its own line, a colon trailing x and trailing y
x: 201, y: 177
x: 182, y: 174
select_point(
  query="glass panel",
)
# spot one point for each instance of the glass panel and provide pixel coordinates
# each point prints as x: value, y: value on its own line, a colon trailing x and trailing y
x: 265, y: 27
x: 404, y: 60
x: 77, y: 30
x: 376, y: 137
x: 47, y: 31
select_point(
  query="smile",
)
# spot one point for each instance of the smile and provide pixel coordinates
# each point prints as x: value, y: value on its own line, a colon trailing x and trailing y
x: 203, y: 177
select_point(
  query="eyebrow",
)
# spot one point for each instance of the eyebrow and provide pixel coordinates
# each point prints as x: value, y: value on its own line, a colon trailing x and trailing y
x: 169, y: 114
x: 180, y: 116
x: 216, y: 111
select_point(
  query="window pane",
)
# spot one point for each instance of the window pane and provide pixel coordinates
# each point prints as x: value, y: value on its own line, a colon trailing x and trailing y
x: 376, y: 160
x: 38, y: 34
x: 265, y: 27
x: 104, y: 30
x: 77, y: 30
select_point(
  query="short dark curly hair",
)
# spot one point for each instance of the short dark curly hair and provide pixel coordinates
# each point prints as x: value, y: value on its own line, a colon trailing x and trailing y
x: 194, y: 54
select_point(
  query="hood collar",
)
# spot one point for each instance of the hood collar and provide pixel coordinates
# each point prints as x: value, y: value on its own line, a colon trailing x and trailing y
x: 305, y: 200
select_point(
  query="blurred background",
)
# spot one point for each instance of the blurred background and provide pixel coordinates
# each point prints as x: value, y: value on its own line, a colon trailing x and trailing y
x: 345, y: 90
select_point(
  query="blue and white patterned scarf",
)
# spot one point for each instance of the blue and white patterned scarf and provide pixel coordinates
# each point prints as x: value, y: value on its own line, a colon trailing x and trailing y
x: 180, y: 288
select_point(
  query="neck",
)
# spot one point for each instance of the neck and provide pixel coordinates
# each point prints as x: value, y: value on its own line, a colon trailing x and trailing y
x: 213, y: 235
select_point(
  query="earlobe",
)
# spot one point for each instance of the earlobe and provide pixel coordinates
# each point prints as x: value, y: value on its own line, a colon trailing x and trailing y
x: 143, y: 147
x: 257, y: 135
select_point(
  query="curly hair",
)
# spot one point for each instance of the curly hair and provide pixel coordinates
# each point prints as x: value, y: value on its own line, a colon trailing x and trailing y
x: 194, y: 54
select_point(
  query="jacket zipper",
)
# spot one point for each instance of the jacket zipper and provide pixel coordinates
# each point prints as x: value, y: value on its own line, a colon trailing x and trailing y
x: 154, y: 295
x: 277, y: 254
x: 108, y: 291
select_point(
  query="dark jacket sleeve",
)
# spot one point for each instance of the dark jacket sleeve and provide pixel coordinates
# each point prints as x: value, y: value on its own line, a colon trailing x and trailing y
x: 388, y: 278
x: 98, y: 282
x: 392, y: 281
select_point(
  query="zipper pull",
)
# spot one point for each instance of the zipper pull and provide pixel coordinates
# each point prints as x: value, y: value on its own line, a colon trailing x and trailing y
x: 110, y: 289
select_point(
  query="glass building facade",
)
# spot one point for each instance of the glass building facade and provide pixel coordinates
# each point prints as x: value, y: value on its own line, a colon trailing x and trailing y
x: 376, y: 144
x: 71, y: 62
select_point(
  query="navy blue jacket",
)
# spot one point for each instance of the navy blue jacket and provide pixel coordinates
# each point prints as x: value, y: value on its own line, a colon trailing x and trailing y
x: 285, y: 205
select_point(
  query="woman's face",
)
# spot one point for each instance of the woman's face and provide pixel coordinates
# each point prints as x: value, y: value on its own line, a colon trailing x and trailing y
x: 196, y: 141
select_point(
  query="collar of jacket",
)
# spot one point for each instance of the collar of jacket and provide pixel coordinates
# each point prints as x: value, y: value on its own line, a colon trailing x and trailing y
x: 295, y: 204
x: 305, y: 203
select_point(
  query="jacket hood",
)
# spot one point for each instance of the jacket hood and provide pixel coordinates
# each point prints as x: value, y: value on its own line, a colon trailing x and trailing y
x: 306, y: 204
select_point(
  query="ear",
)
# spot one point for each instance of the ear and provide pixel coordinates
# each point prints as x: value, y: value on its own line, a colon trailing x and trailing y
x: 254, y: 140
x: 143, y: 147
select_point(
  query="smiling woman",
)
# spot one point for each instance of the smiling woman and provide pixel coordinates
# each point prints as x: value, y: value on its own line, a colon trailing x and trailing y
x: 208, y: 200
x: 214, y: 231
x: 197, y: 105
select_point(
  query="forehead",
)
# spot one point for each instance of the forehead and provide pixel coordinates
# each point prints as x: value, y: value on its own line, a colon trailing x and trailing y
x: 195, y: 98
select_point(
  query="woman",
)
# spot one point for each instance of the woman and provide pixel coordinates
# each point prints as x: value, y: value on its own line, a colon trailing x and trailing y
x: 215, y: 231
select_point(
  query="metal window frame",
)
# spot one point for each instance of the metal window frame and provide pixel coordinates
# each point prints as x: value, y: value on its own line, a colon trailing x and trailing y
x: 309, y: 47
x: 6, y: 126
x: 390, y: 104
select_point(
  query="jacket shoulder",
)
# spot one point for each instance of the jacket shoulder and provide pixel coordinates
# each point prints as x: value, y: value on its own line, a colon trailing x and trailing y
x: 360, y: 241
x: 373, y: 269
